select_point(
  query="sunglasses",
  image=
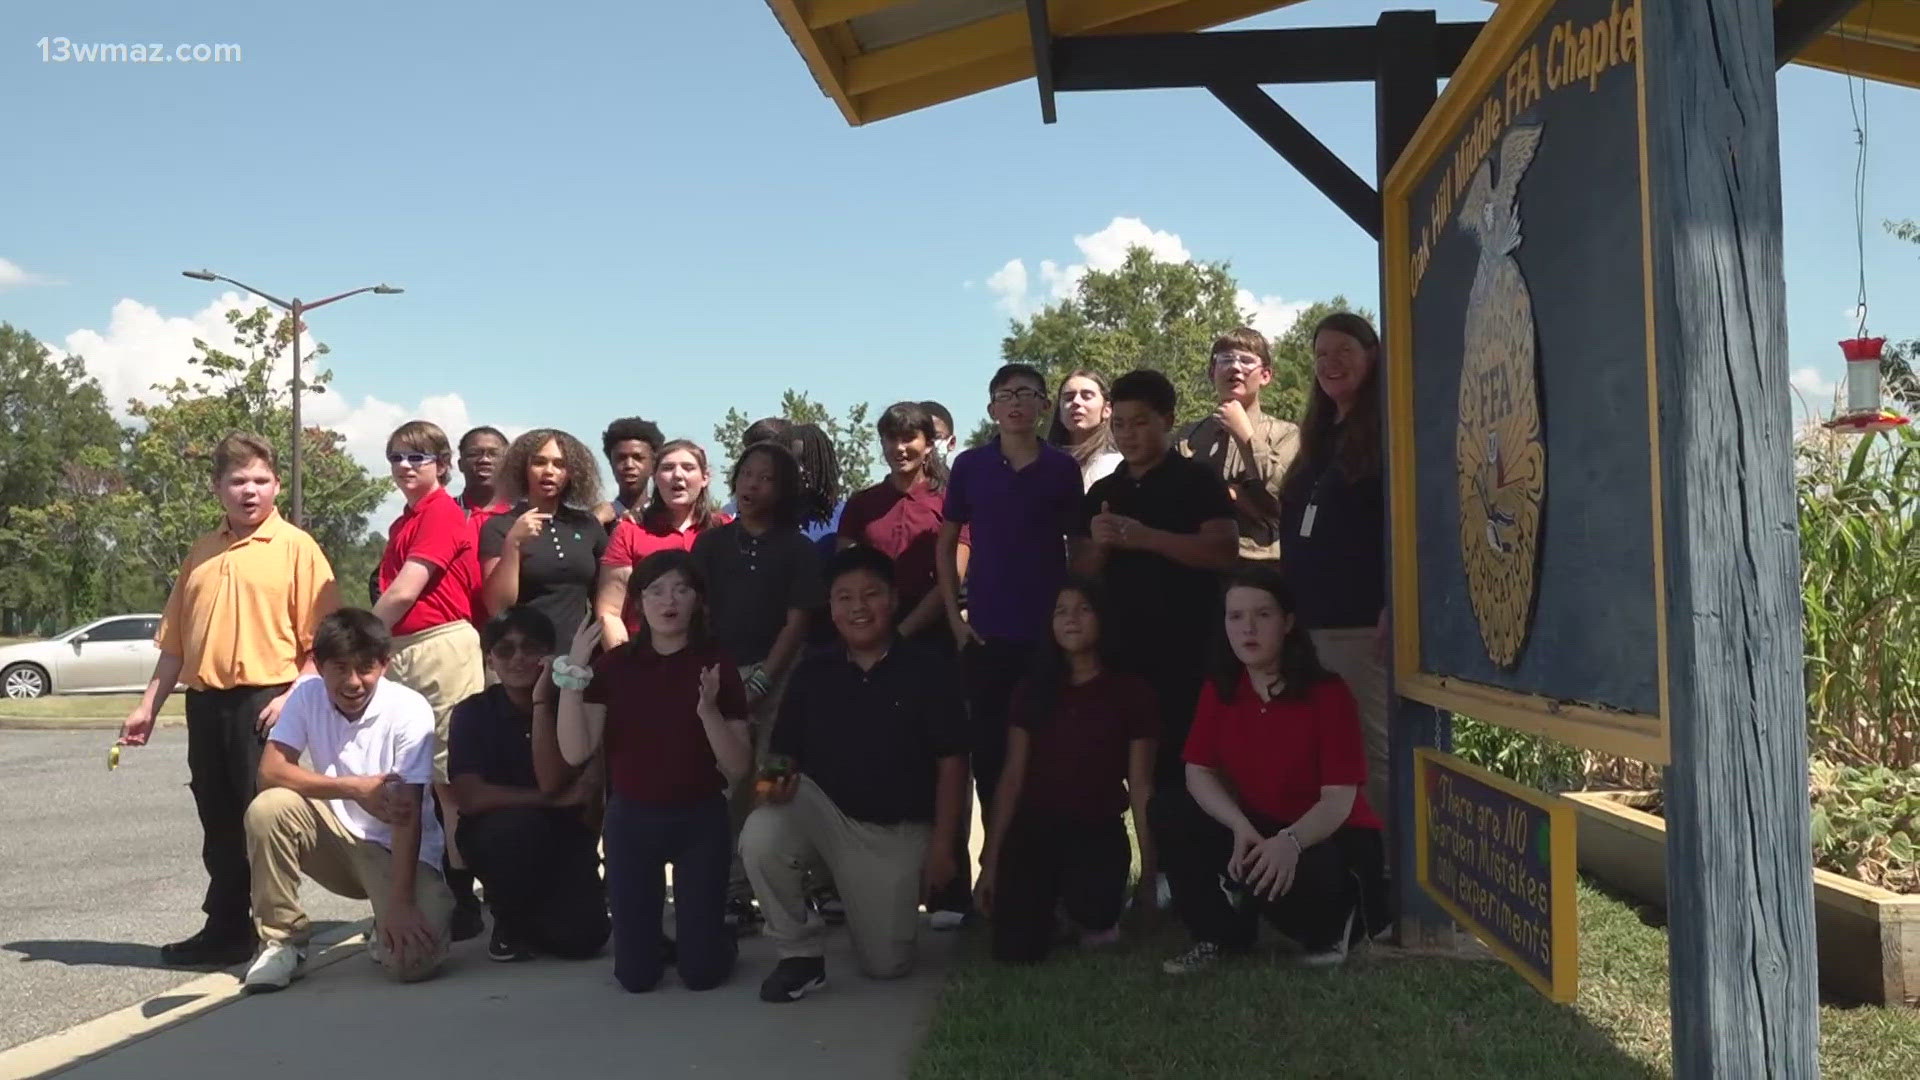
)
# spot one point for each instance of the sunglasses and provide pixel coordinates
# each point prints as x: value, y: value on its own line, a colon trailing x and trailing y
x: 506, y: 649
x: 412, y: 461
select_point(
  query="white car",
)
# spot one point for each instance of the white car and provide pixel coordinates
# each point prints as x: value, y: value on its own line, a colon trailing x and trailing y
x: 107, y: 656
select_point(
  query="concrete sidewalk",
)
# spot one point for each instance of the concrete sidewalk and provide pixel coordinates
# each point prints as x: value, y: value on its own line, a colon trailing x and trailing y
x: 547, y: 1017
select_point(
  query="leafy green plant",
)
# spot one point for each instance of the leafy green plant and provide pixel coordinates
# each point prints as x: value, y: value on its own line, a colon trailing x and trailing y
x: 1520, y: 756
x: 1859, y: 508
x: 1866, y: 823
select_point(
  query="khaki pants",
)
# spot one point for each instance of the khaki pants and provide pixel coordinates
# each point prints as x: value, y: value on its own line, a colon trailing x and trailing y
x: 444, y: 666
x: 1353, y: 654
x: 876, y: 868
x: 289, y: 834
x: 740, y: 797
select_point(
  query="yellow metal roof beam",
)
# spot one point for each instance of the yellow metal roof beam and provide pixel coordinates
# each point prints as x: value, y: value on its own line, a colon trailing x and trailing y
x: 1883, y: 63
x: 828, y: 69
x: 984, y: 40
x: 1889, y: 22
x: 824, y: 13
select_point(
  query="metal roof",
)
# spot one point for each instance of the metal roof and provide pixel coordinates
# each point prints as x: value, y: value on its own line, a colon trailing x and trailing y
x: 881, y: 58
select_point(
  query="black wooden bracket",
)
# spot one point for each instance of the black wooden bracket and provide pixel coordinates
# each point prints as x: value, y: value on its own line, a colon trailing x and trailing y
x: 1043, y: 46
x: 1321, y: 166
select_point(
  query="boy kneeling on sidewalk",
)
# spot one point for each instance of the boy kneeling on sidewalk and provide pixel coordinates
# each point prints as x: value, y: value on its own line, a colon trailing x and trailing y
x: 360, y: 822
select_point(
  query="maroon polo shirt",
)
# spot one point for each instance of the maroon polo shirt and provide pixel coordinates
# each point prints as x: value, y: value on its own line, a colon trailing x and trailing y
x: 905, y: 527
x: 434, y: 532
x: 1278, y: 754
x: 657, y: 748
x: 1077, y: 754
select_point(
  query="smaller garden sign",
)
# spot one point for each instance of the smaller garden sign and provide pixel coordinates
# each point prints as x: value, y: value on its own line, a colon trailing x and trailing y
x: 1500, y: 859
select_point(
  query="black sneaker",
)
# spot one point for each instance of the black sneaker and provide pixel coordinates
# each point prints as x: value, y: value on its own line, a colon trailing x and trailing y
x: 793, y: 978
x: 742, y: 917
x: 505, y: 946
x: 467, y: 920
x: 209, y: 948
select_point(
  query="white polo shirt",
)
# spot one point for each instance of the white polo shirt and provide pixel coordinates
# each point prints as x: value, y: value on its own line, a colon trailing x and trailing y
x: 393, y: 735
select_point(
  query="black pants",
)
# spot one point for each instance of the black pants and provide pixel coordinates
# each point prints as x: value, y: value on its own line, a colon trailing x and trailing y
x: 542, y: 873
x: 1048, y: 860
x: 991, y: 670
x: 223, y: 763
x: 1339, y: 877
x: 641, y: 840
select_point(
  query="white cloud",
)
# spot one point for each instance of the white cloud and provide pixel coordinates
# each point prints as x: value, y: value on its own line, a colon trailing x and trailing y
x: 141, y: 347
x: 1020, y: 294
x: 1271, y: 315
x: 1009, y: 287
x: 1813, y: 383
x: 13, y: 275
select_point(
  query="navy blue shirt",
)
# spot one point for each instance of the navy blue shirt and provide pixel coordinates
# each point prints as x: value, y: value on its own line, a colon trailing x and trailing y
x: 872, y: 739
x: 490, y: 736
x: 1338, y: 570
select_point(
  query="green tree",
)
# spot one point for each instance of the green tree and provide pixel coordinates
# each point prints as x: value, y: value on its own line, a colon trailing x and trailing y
x: 1896, y: 368
x: 59, y: 448
x: 169, y: 458
x: 983, y: 433
x: 1164, y: 316
x: 853, y: 437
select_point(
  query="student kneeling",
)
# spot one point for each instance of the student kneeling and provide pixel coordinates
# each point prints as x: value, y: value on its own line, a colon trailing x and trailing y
x: 537, y: 854
x: 1276, y: 761
x: 874, y: 727
x: 360, y: 823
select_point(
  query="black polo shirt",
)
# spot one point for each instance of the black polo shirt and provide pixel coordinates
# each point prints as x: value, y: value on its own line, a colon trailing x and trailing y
x: 557, y: 568
x: 1159, y: 608
x: 491, y: 737
x: 872, y: 739
x: 1338, y: 570
x: 753, y: 582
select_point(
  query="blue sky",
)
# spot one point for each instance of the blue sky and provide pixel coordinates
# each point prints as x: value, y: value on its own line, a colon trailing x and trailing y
x: 599, y: 211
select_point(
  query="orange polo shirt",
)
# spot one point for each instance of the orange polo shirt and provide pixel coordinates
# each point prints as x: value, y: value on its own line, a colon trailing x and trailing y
x: 243, y: 611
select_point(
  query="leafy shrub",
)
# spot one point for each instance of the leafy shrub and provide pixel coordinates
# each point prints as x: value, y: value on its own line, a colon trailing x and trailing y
x: 1866, y: 823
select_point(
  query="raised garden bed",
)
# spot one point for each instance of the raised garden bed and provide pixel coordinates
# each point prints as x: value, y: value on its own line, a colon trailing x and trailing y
x: 1869, y: 938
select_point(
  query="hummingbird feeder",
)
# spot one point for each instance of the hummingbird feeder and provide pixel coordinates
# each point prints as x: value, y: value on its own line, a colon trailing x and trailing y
x: 1864, y: 414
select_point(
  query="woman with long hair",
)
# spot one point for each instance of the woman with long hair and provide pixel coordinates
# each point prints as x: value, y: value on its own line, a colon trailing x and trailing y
x: 900, y: 516
x: 1080, y: 752
x: 544, y: 552
x: 669, y: 708
x: 1333, y: 512
x: 1081, y: 424
x: 679, y: 511
x: 1275, y: 760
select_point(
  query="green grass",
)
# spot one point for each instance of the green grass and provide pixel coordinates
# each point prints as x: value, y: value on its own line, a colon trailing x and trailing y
x: 1383, y: 1015
x: 84, y: 706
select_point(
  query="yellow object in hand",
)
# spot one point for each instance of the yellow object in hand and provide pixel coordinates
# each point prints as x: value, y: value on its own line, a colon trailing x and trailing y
x: 113, y: 757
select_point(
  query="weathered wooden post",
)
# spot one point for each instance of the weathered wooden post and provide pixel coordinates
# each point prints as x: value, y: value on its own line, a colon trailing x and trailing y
x: 1739, y: 878
x: 1405, y: 86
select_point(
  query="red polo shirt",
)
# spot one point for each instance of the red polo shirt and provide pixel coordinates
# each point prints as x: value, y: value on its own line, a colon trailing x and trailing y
x: 630, y: 544
x: 437, y: 533
x: 476, y: 517
x: 905, y: 527
x: 1278, y: 754
x: 657, y: 748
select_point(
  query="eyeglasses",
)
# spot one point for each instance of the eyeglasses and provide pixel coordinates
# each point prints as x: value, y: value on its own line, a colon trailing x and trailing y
x: 661, y: 590
x: 1238, y: 359
x: 1025, y: 395
x: 487, y: 454
x: 411, y: 461
x: 506, y: 649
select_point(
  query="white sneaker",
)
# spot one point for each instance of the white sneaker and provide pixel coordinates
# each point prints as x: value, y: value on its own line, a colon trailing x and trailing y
x: 1337, y: 955
x: 275, y: 967
x: 946, y: 920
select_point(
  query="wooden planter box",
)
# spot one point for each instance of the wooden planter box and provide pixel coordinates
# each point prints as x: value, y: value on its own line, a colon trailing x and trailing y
x: 1869, y: 938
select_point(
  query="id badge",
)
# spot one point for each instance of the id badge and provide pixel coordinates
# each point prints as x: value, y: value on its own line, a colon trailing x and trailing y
x: 1306, y: 519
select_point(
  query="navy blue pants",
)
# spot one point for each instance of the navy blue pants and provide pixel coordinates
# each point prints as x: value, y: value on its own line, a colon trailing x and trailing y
x: 640, y: 842
x: 542, y: 876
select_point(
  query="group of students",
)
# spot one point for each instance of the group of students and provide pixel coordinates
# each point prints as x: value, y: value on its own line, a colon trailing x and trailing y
x: 792, y: 701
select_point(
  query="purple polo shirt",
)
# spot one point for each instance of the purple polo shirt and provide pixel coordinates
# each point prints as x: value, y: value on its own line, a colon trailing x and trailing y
x: 1019, y: 522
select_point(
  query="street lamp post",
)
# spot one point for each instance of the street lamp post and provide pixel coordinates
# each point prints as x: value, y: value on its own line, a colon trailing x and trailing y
x: 296, y: 309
